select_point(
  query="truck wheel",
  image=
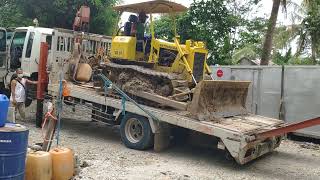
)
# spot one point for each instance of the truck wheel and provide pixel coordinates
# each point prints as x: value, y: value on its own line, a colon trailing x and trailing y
x: 136, y: 132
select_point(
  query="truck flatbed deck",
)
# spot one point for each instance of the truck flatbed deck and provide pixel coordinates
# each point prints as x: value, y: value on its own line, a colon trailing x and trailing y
x: 236, y: 134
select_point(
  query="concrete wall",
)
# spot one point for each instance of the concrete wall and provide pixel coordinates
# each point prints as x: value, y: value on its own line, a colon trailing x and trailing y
x: 300, y: 91
x: 302, y: 95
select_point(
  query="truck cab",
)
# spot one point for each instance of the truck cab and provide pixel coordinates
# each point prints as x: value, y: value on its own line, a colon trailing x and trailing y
x: 24, y: 50
x: 21, y: 50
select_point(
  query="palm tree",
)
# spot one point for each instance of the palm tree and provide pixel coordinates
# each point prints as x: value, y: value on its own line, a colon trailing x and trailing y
x: 309, y: 33
x: 306, y: 32
x: 267, y: 45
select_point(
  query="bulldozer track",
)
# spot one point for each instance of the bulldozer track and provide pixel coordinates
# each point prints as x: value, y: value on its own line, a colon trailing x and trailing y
x: 143, y: 70
x: 133, y: 77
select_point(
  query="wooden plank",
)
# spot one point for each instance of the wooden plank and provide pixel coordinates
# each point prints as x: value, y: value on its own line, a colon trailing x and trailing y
x: 49, y: 134
x: 162, y: 100
x: 261, y: 119
x: 162, y: 137
x: 87, y: 85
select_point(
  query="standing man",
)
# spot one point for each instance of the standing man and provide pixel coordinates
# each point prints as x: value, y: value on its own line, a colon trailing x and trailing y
x: 18, y: 92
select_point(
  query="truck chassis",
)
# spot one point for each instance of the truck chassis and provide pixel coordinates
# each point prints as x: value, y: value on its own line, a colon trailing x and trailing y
x: 236, y: 134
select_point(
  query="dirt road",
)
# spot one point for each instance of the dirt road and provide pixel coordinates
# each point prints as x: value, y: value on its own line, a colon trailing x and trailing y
x: 104, y: 157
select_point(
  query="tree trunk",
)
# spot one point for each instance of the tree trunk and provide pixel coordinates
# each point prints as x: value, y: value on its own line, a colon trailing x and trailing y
x: 313, y: 49
x: 267, y: 45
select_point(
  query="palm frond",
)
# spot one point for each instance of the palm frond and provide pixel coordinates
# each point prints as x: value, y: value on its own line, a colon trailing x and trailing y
x: 246, y: 52
x: 284, y: 6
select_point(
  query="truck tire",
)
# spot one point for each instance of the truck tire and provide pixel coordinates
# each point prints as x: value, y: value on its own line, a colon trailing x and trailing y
x: 136, y: 132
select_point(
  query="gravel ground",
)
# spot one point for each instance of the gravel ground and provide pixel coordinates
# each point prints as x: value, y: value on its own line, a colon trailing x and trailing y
x: 103, y: 156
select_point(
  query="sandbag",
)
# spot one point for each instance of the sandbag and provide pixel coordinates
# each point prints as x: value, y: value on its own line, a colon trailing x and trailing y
x: 84, y: 72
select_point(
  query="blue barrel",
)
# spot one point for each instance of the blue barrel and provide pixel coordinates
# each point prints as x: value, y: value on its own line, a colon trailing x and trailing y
x: 13, y: 149
x: 4, y: 106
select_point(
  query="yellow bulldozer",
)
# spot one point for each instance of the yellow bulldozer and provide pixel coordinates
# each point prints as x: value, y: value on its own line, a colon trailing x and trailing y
x: 169, y: 73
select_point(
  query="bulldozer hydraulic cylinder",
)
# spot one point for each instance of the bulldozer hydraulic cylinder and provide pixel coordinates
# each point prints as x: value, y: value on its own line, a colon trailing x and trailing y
x: 186, y: 64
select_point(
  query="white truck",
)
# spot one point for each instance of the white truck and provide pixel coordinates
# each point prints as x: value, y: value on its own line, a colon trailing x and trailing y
x: 244, y: 138
x: 3, y: 56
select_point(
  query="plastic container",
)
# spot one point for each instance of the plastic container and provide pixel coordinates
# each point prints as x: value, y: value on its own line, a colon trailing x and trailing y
x: 38, y: 166
x: 4, y: 106
x: 84, y: 72
x: 13, y: 148
x: 85, y: 14
x: 62, y: 163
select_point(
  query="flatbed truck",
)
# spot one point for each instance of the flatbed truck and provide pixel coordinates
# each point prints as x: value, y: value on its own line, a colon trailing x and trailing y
x: 244, y: 137
x: 234, y: 134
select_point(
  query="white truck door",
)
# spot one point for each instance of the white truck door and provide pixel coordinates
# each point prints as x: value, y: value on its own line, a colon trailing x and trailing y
x: 29, y: 46
x: 16, y: 49
x: 3, y: 53
x: 31, y: 56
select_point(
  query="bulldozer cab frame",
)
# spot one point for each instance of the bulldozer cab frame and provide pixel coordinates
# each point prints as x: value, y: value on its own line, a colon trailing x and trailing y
x: 152, y: 7
x: 166, y: 7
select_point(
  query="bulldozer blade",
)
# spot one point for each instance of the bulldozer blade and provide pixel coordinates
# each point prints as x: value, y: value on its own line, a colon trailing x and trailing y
x: 216, y: 99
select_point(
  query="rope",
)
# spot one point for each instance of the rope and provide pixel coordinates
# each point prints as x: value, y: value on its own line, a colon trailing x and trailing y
x: 108, y: 83
x: 59, y: 108
x: 106, y: 91
x: 123, y: 103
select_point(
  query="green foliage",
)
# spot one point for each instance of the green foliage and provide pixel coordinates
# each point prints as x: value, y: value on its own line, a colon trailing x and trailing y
x: 213, y: 23
x: 11, y: 15
x: 248, y: 43
x: 58, y: 13
x: 280, y: 59
x: 208, y: 21
x: 248, y: 51
x: 301, y: 61
x: 288, y: 59
x: 284, y: 36
x: 164, y: 27
x: 309, y: 33
x: 221, y: 25
x: 251, y: 32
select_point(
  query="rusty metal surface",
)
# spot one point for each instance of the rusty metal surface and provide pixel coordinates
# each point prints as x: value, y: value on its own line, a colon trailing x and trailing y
x: 256, y: 149
x: 289, y: 128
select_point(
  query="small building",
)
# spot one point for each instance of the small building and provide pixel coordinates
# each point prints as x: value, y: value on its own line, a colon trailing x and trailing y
x: 252, y: 62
